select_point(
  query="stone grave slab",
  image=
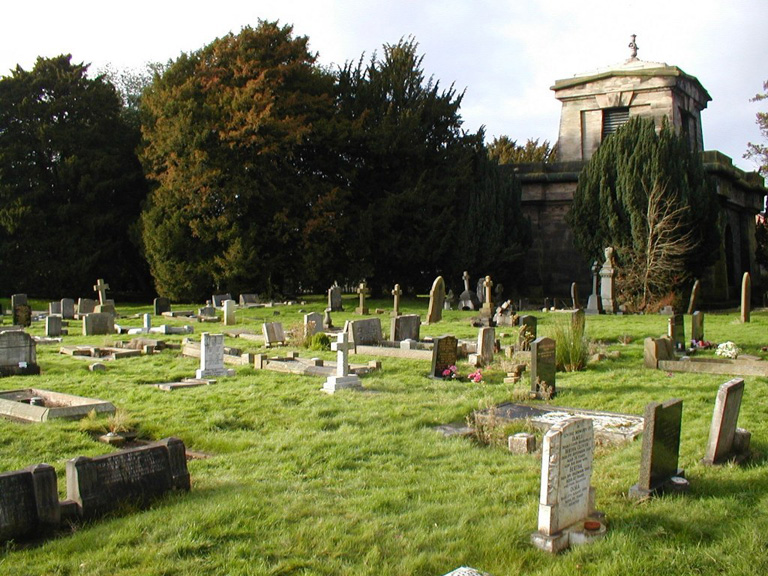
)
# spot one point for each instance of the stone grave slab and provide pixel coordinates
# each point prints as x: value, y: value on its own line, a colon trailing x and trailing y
x: 660, y: 451
x: 54, y: 308
x: 656, y: 350
x: 18, y: 354
x: 67, y: 308
x: 365, y: 332
x: 183, y: 384
x: 543, y: 368
x: 405, y: 327
x: 721, y: 366
x: 232, y: 356
x: 179, y: 314
x: 249, y: 300
x: 212, y: 357
x: 217, y: 300
x: 95, y: 324
x: 38, y: 405
x: 161, y: 305
x: 29, y: 502
x: 274, y: 335
x: 409, y: 349
x: 726, y: 441
x: 169, y: 330
x: 85, y: 306
x: 138, y: 475
x: 294, y: 364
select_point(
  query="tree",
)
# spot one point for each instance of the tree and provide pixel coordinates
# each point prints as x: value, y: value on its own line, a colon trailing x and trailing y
x: 232, y: 142
x: 507, y: 151
x: 759, y: 152
x: 70, y: 183
x: 647, y: 195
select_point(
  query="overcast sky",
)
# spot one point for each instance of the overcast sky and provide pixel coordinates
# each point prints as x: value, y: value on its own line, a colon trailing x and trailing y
x: 506, y: 54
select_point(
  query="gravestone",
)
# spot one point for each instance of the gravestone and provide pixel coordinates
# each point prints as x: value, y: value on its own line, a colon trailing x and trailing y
x: 697, y: 326
x: 67, y: 308
x: 217, y: 300
x: 313, y: 323
x: 450, y: 300
x: 468, y: 299
x: 436, y: 301
x: 229, y: 312
x: 527, y: 332
x: 146, y: 323
x: 54, y: 308
x: 53, y: 326
x: 98, y: 324
x: 18, y: 354
x: 101, y: 288
x: 543, y: 368
x: 746, y: 297
x: 334, y: 298
x: 405, y: 327
x: 18, y: 300
x: 327, y: 320
x: 248, y: 300
x: 365, y: 332
x: 578, y: 322
x: 136, y: 476
x: 212, y: 357
x: 660, y: 451
x: 486, y: 341
x: 693, y: 302
x: 362, y: 291
x: 29, y: 502
x: 726, y: 441
x: 209, y: 310
x: 396, y: 293
x: 343, y: 379
x: 594, y: 303
x: 444, y: 354
x: 39, y: 405
x: 274, y: 334
x: 676, y: 331
x: 656, y: 349
x: 566, y: 499
x: 22, y: 315
x: 85, y: 306
x: 487, y: 309
x: 161, y: 305
x: 608, y: 283
x: 575, y: 302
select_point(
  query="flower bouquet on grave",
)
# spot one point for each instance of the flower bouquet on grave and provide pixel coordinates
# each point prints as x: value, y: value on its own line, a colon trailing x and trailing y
x: 728, y: 350
x: 701, y: 344
x: 450, y: 373
x: 476, y: 376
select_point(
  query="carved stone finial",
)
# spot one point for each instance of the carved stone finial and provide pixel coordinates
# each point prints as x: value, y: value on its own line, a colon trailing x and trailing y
x: 633, y: 48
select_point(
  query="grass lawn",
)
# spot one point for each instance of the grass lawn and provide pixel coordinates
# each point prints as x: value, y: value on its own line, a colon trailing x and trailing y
x: 300, y: 482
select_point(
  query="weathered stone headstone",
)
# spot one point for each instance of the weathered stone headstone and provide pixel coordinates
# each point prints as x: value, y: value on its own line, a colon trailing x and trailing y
x: 607, y: 283
x: 656, y: 349
x: 343, y: 379
x: 247, y: 300
x: 67, y: 308
x: 138, y: 475
x: 161, y: 305
x: 146, y: 323
x: 209, y: 310
x: 697, y: 326
x: 487, y: 309
x: 566, y: 499
x: 676, y: 331
x: 98, y: 324
x: 365, y: 332
x: 85, y: 306
x: 575, y: 302
x: 693, y: 302
x: 396, y: 293
x: 53, y: 326
x: 217, y: 300
x: 362, y: 291
x: 212, y: 357
x: 29, y: 502
x: 578, y: 321
x: 595, y: 303
x: 468, y: 299
x: 444, y: 354
x: 18, y: 354
x: 405, y: 327
x: 54, y: 308
x: 726, y: 441
x: 527, y: 331
x: 436, y: 301
x: 313, y: 323
x: 18, y: 300
x: 486, y: 341
x: 660, y: 450
x: 229, y: 312
x: 274, y: 334
x: 543, y: 368
x: 22, y: 315
x: 746, y: 297
x: 334, y: 298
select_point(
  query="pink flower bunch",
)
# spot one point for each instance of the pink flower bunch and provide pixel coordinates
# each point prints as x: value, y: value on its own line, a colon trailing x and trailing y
x: 451, y: 372
x: 702, y: 344
x: 476, y: 376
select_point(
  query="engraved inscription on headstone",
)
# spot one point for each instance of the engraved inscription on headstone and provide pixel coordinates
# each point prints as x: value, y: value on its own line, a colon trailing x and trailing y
x: 444, y: 354
x: 543, y: 368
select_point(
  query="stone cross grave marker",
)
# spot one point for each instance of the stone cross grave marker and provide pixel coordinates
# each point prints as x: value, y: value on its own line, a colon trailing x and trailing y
x: 436, y: 301
x: 697, y: 326
x: 595, y: 303
x: 29, y: 502
x: 405, y: 327
x: 362, y: 291
x: 334, y: 298
x: 396, y: 292
x: 101, y: 287
x: 212, y: 357
x: 676, y: 331
x: 313, y: 323
x: 746, y: 297
x: 229, y: 312
x: 274, y: 334
x: 543, y: 368
x: 694, y: 300
x: 726, y: 441
x: 660, y: 451
x: 444, y: 354
x: 608, y: 283
x: 161, y: 305
x: 566, y: 499
x: 467, y: 299
x: 343, y: 379
x: 487, y: 309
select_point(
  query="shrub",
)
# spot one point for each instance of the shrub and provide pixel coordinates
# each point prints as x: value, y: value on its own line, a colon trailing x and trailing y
x: 572, y: 345
x: 320, y: 341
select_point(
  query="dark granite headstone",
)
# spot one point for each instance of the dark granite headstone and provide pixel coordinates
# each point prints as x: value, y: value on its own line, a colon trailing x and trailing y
x: 138, y: 475
x: 676, y: 331
x: 29, y: 502
x: 527, y: 333
x: 162, y: 305
x: 444, y: 354
x: 18, y: 300
x: 249, y: 299
x: 726, y: 441
x: 697, y: 326
x: 218, y: 299
x: 543, y: 368
x: 85, y: 306
x: 67, y: 308
x: 661, y: 449
x: 405, y: 327
x: 693, y: 302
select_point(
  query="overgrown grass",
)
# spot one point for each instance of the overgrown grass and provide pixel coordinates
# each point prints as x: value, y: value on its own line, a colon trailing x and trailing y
x: 299, y: 482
